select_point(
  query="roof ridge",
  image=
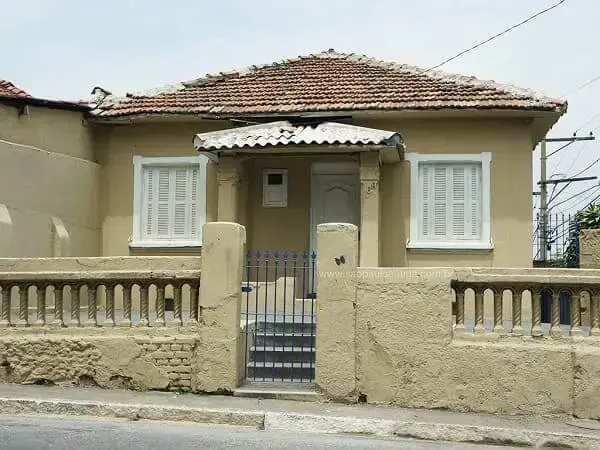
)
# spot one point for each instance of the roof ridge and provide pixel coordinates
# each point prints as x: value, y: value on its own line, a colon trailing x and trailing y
x: 466, y: 80
x: 12, y: 88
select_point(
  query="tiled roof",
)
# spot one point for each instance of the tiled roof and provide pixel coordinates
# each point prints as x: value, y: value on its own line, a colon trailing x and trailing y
x: 328, y: 81
x: 283, y: 133
x: 8, y: 89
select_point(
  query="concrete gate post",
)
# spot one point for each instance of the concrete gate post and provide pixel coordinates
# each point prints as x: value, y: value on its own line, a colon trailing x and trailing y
x: 216, y: 361
x: 337, y: 253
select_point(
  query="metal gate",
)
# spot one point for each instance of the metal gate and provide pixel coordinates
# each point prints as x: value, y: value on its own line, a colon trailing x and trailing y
x: 278, y: 316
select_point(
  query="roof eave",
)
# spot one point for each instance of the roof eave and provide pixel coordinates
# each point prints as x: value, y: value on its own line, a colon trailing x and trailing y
x: 404, y: 113
x: 51, y: 104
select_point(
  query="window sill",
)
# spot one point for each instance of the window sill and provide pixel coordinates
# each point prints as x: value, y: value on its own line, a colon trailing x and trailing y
x: 450, y: 246
x: 184, y: 245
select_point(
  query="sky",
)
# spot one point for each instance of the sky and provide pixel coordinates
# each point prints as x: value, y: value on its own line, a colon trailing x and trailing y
x: 61, y: 49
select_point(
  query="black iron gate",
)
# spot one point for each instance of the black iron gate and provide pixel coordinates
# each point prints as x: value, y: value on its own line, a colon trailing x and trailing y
x: 278, y: 316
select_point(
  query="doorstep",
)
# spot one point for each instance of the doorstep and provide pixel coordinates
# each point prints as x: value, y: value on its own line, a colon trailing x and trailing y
x: 302, y: 392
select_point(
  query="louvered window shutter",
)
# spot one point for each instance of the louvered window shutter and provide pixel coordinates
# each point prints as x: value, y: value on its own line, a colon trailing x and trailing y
x: 170, y: 208
x: 451, y: 202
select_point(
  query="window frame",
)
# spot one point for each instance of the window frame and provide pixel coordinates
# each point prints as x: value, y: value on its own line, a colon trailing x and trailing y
x: 284, y: 201
x: 139, y: 163
x: 416, y: 199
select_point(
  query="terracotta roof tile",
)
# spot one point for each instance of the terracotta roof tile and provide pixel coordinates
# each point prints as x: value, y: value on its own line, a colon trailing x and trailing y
x: 328, y: 81
x: 8, y: 89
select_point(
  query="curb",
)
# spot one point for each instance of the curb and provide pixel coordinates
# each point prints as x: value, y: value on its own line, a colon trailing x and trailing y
x: 307, y: 423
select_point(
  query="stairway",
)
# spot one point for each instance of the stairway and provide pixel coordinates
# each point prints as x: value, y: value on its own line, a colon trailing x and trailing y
x: 284, y: 349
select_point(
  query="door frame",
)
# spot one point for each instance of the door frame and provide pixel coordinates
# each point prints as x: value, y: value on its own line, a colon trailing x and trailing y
x: 328, y: 168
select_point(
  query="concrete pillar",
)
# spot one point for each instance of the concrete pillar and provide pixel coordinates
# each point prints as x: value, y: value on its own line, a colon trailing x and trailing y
x: 337, y: 247
x: 229, y: 173
x: 369, y: 210
x: 216, y: 362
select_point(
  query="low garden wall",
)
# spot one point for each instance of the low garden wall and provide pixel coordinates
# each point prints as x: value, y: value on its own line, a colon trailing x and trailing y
x: 389, y: 335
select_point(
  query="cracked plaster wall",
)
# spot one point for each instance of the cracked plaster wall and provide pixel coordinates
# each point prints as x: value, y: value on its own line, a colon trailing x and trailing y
x: 141, y: 363
x: 406, y: 355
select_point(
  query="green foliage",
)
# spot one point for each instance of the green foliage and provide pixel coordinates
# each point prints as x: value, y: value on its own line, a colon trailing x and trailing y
x: 589, y: 218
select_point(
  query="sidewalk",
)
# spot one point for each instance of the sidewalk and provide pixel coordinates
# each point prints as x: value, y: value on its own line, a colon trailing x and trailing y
x: 291, y: 416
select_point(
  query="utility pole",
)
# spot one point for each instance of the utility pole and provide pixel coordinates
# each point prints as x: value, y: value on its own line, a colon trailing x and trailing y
x: 543, y: 203
x: 544, y: 182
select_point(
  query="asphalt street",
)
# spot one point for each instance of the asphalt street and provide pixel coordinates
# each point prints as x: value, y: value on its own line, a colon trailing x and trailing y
x: 28, y: 433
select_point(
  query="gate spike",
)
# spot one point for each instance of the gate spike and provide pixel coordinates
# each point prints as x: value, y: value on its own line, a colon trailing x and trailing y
x: 257, y: 254
x: 313, y: 255
x: 267, y: 255
x: 294, y: 255
x: 285, y: 255
x: 276, y: 255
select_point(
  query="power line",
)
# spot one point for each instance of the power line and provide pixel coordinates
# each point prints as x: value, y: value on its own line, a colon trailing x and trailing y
x: 584, y: 85
x: 587, y: 168
x: 458, y: 55
x: 576, y: 195
x: 588, y: 122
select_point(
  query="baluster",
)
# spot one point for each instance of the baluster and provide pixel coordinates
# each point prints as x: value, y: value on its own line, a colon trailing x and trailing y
x: 177, y: 313
x: 5, y: 303
x: 479, y: 329
x: 160, y: 305
x: 498, y: 325
x: 110, y: 306
x: 517, y: 327
x: 595, y: 313
x: 23, y: 293
x: 575, y: 314
x: 460, y: 311
x: 41, y: 306
x: 536, y: 310
x: 126, y: 322
x: 58, y: 306
x: 144, y: 306
x: 75, y: 306
x: 194, y: 304
x: 555, y: 330
x: 92, y: 321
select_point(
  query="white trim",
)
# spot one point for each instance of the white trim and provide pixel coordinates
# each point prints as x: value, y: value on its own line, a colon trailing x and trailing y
x: 415, y: 159
x: 284, y: 186
x: 139, y: 162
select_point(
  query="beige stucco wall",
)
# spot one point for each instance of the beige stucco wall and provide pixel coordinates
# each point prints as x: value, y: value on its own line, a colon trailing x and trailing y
x: 116, y: 147
x: 508, y: 139
x: 48, y: 178
x: 589, y: 249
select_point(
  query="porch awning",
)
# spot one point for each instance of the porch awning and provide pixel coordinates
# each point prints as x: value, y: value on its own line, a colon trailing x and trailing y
x: 283, y: 137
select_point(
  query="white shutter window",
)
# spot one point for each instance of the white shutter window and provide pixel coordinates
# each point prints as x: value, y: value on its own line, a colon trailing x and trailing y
x: 451, y: 201
x: 170, y: 201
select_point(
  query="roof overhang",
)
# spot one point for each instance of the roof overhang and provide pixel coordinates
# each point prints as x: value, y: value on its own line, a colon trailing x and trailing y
x: 281, y: 137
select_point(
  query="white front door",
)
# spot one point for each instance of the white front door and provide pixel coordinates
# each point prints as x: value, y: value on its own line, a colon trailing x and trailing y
x: 335, y: 196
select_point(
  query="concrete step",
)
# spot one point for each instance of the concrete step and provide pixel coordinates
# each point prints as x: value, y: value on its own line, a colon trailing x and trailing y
x: 287, y: 324
x: 279, y: 339
x: 270, y: 354
x: 279, y: 390
x: 280, y: 371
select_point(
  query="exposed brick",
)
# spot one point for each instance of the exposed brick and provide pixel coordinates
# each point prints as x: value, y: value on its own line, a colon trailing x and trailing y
x: 175, y: 361
x: 181, y: 369
x: 176, y: 347
x: 151, y: 347
x: 182, y: 354
x: 162, y: 355
x: 185, y: 383
x: 162, y: 362
x: 185, y: 340
x: 185, y: 376
x: 187, y: 347
x: 174, y: 376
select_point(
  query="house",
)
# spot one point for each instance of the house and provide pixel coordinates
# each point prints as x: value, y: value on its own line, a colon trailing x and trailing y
x: 49, y: 177
x: 435, y: 169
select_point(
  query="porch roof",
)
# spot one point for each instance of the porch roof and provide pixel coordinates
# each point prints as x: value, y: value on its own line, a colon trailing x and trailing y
x: 283, y: 134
